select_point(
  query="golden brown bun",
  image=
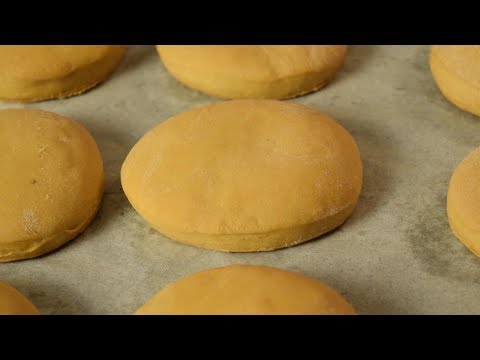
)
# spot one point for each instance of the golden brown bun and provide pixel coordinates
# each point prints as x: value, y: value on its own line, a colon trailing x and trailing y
x: 256, y: 72
x: 41, y: 72
x: 51, y: 182
x: 14, y: 303
x: 244, y: 175
x: 247, y: 289
x: 463, y: 201
x: 456, y: 69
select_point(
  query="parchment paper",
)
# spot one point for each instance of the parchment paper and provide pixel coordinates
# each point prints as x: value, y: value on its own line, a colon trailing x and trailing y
x: 395, y: 255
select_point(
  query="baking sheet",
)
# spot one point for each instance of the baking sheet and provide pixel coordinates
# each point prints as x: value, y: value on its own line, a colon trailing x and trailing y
x: 395, y: 255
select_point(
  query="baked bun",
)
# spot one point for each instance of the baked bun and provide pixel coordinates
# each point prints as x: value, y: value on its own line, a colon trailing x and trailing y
x: 456, y: 70
x: 463, y: 201
x: 244, y: 175
x: 30, y: 73
x: 257, y: 72
x: 14, y: 303
x: 51, y: 182
x: 247, y: 289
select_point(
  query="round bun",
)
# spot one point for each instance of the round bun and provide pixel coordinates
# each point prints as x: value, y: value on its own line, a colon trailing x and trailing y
x: 36, y: 73
x: 51, y: 182
x: 456, y: 70
x: 14, y: 303
x: 246, y: 289
x: 262, y: 72
x: 244, y: 175
x: 463, y: 201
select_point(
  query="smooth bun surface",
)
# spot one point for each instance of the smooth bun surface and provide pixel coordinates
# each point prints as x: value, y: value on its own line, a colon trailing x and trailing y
x: 30, y: 73
x: 247, y: 289
x: 463, y: 201
x: 257, y: 72
x: 244, y: 175
x: 51, y: 182
x: 456, y: 70
x: 12, y: 302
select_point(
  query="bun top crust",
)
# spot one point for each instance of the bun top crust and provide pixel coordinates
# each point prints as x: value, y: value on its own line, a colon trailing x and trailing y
x: 44, y: 62
x: 243, y: 166
x: 463, y: 60
x: 13, y: 302
x: 247, y: 289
